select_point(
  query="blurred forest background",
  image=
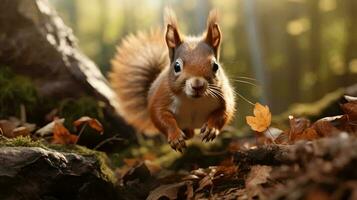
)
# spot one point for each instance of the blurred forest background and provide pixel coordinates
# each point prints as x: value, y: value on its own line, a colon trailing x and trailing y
x: 298, y: 50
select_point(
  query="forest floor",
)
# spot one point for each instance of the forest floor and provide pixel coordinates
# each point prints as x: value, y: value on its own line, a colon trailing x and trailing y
x: 308, y: 160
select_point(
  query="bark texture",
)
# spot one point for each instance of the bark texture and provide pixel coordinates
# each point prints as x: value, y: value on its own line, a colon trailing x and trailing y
x: 34, y: 41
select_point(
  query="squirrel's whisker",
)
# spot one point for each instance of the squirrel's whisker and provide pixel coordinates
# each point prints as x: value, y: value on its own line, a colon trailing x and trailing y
x: 216, y: 92
x: 213, y: 94
x: 247, y: 82
x: 245, y: 77
x: 244, y: 98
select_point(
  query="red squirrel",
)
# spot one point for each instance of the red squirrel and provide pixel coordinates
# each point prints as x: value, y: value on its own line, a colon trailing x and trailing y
x: 173, y: 83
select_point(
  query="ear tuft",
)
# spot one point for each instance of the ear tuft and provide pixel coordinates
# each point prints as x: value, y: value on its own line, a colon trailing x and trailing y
x: 172, y: 37
x: 213, y: 33
x: 170, y: 17
x: 212, y: 17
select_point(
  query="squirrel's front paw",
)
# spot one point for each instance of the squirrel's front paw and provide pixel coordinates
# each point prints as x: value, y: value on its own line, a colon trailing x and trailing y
x: 208, y: 133
x: 177, y: 140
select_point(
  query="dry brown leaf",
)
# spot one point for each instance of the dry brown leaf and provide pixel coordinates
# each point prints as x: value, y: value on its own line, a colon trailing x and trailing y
x: 350, y: 109
x: 258, y: 175
x: 307, y: 134
x: 324, y: 128
x: 170, y: 191
x: 261, y: 119
x: 62, y: 136
x: 298, y: 125
x: 283, y: 138
x: 93, y: 123
x: 20, y: 131
x: 205, y: 182
x: 7, y: 127
x: 48, y: 128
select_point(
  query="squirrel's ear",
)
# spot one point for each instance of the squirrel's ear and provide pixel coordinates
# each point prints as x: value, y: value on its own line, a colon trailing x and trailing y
x: 213, y: 34
x: 172, y: 37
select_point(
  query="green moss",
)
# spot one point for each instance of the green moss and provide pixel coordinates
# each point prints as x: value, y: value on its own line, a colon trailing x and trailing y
x: 21, y: 141
x: 107, y: 173
x: 102, y: 158
x: 14, y: 91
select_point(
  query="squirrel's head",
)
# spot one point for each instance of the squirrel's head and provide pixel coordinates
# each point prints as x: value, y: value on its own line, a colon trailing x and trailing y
x: 194, y: 67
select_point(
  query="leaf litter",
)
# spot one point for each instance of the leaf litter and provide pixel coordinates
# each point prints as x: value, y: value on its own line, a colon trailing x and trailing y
x: 307, y: 160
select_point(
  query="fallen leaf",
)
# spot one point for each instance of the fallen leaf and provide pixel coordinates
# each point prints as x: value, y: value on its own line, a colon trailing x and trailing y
x: 283, y: 138
x: 21, y: 131
x: 307, y: 134
x: 169, y: 191
x: 48, y: 128
x: 298, y: 125
x: 261, y: 119
x: 272, y: 133
x: 258, y: 175
x: 61, y: 135
x: 205, y: 182
x: 93, y: 123
x: 7, y: 127
x: 350, y: 109
x: 350, y: 98
x: 225, y: 172
x: 324, y: 128
x: 139, y: 172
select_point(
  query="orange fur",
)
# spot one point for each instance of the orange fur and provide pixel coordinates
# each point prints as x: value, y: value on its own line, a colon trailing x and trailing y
x: 139, y: 60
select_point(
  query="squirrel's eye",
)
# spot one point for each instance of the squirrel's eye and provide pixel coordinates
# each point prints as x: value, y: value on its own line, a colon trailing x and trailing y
x: 177, y: 67
x: 215, y: 67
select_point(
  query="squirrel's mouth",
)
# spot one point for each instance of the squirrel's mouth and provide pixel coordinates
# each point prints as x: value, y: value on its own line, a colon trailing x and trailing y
x: 195, y: 94
x: 195, y: 87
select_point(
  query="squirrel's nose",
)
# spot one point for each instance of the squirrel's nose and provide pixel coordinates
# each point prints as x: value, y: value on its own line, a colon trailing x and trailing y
x: 198, y: 84
x: 198, y: 88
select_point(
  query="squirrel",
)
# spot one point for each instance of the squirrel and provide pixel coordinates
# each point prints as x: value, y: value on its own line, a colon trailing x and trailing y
x: 172, y: 83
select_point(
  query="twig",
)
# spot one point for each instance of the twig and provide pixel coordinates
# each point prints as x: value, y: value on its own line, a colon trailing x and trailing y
x: 114, y: 138
x: 81, y: 131
x: 271, y: 135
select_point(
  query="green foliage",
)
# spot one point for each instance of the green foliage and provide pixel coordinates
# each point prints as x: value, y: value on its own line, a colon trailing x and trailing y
x: 14, y: 91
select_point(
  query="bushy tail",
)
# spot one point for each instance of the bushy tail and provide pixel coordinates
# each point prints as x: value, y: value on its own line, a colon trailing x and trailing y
x: 139, y: 60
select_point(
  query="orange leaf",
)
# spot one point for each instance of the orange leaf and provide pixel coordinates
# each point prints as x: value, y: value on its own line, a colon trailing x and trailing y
x: 93, y: 123
x: 261, y: 119
x: 62, y: 136
x: 307, y: 134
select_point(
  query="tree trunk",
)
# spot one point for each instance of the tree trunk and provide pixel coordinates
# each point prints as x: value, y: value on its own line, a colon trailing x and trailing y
x: 35, y: 42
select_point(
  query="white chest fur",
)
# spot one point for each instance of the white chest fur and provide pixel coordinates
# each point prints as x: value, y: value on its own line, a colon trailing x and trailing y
x: 193, y: 113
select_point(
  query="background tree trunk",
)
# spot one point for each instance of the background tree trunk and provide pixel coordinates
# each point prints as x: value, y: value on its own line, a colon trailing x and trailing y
x: 35, y: 42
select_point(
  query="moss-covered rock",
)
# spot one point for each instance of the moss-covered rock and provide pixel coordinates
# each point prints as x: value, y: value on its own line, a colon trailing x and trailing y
x: 42, y: 170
